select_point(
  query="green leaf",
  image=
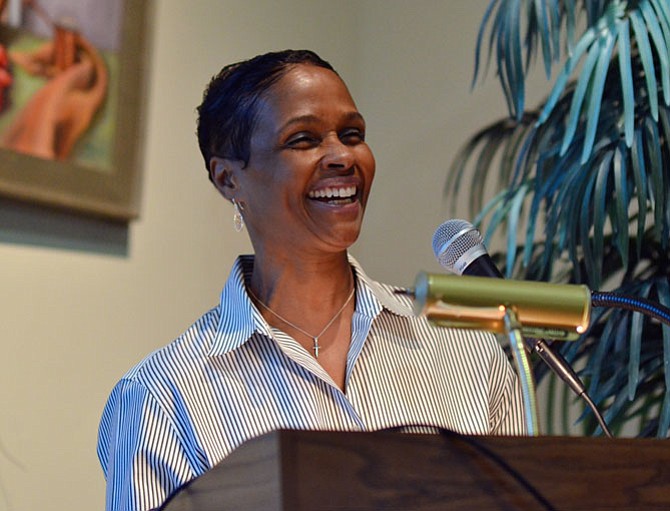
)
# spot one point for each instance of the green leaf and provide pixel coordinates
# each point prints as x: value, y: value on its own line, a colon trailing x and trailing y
x: 661, y: 48
x: 544, y: 32
x: 595, y: 362
x: 554, y: 216
x: 664, y: 140
x: 657, y: 182
x: 500, y: 33
x: 621, y: 206
x: 634, y: 354
x: 606, y: 44
x: 578, y: 96
x: 512, y: 227
x: 640, y: 177
x: 559, y: 86
x: 513, y: 63
x: 482, y: 166
x: 644, y: 48
x: 626, y: 75
x: 662, y: 8
x: 480, y: 36
x: 555, y: 27
x: 591, y: 258
x: 500, y: 212
x: 570, y: 24
x: 599, y: 209
x: 596, y: 9
x: 489, y: 137
x: 662, y: 11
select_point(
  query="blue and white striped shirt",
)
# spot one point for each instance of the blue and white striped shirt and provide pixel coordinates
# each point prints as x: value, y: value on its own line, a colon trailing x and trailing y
x: 231, y: 377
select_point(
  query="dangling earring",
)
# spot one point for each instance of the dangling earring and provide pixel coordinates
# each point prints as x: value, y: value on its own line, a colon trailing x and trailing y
x: 238, y: 221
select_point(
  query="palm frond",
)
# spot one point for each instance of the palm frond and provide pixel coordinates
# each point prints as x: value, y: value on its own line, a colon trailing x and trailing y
x: 609, y: 26
x: 505, y: 18
x: 639, y: 170
x: 653, y: 26
x: 626, y: 75
x: 644, y: 48
x: 622, y: 200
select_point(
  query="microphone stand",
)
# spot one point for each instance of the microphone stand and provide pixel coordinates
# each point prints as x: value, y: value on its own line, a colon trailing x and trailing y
x: 513, y: 331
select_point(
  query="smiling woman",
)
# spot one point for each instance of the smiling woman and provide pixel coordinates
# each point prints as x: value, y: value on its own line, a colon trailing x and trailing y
x: 302, y: 337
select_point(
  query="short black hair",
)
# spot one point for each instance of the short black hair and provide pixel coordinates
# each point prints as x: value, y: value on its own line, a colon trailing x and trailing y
x: 227, y: 114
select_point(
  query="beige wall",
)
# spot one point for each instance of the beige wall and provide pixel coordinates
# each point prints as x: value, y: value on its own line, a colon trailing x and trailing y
x: 77, y: 311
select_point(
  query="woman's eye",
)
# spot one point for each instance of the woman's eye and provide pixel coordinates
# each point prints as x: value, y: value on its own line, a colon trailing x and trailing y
x: 353, y: 136
x: 302, y: 141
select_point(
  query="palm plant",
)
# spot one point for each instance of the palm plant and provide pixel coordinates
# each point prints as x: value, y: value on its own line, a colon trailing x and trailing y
x: 581, y: 183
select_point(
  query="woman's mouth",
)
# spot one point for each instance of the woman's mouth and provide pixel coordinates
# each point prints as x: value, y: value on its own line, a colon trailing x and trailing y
x: 334, y: 194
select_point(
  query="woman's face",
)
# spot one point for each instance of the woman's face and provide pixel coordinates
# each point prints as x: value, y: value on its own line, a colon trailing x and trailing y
x: 309, y: 173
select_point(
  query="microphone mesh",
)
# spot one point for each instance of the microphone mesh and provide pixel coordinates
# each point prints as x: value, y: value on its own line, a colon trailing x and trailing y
x: 452, y: 239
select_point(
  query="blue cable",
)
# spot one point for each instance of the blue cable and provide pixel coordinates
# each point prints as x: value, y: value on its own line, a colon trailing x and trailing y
x: 642, y: 305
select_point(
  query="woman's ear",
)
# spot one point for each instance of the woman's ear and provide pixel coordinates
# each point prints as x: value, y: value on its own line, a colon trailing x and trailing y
x: 222, y: 173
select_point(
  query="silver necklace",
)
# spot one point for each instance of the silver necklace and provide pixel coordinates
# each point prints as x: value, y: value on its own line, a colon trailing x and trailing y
x: 315, y: 338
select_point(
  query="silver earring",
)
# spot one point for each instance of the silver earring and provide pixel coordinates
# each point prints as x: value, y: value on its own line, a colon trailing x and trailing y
x: 238, y: 221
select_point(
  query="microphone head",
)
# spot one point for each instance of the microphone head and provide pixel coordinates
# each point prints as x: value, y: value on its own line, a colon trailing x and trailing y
x: 454, y: 239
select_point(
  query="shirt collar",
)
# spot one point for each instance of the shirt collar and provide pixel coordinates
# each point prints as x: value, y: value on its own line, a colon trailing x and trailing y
x: 379, y: 295
x: 239, y: 319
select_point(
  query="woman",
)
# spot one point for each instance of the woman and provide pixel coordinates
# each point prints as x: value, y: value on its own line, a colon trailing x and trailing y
x: 302, y: 338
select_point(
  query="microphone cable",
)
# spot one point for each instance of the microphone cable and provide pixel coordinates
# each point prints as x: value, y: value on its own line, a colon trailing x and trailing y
x: 504, y: 465
x: 564, y: 370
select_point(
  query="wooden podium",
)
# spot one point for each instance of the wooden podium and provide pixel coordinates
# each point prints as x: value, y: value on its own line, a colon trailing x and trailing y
x: 311, y: 470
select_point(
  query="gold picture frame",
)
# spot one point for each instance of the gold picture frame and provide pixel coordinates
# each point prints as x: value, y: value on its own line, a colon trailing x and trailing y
x: 112, y: 193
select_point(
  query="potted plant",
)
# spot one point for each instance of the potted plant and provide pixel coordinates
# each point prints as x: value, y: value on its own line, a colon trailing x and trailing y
x: 581, y: 183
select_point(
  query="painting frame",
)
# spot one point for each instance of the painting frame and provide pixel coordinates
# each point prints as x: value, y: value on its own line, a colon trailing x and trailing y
x: 67, y: 185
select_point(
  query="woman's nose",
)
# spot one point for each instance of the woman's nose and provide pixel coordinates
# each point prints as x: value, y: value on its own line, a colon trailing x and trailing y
x: 338, y: 155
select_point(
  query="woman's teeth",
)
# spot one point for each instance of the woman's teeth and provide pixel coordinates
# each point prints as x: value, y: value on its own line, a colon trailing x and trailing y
x: 344, y: 192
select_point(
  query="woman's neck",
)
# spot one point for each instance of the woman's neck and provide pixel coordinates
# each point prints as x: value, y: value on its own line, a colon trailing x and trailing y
x: 321, y: 281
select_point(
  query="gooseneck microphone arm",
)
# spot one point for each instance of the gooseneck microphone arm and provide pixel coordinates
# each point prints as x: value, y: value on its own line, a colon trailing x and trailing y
x: 635, y: 304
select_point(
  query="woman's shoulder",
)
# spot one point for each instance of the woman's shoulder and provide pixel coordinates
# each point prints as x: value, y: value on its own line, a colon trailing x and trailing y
x: 188, y: 349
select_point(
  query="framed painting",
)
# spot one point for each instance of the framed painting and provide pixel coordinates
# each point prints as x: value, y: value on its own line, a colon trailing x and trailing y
x: 71, y: 96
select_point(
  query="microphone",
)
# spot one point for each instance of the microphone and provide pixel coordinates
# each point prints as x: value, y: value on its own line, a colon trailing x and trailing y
x: 459, y: 248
